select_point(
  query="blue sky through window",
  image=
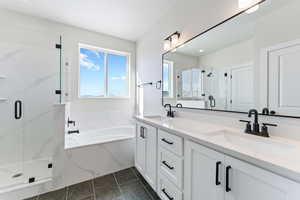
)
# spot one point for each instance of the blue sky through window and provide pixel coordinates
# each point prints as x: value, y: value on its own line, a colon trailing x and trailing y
x: 117, y: 75
x: 92, y: 74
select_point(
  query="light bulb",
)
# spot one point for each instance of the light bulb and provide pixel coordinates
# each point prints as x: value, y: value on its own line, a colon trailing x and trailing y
x: 167, y: 44
x: 175, y: 39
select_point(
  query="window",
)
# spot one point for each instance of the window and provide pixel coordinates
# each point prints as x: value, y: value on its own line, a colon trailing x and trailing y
x: 167, y: 79
x: 103, y: 73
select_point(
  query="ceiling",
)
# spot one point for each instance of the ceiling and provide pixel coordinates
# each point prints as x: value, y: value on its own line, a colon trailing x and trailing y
x: 128, y: 19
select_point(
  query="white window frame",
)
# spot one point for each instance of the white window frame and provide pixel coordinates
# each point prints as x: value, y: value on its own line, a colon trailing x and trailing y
x: 171, y: 77
x: 105, y: 51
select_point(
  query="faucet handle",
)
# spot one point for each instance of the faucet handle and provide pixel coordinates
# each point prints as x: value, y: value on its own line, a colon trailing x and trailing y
x: 268, y: 124
x: 248, y: 126
x: 264, y: 129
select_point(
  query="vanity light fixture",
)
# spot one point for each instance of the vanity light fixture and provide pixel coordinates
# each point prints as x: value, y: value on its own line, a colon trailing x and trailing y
x: 201, y: 50
x: 171, y: 41
x: 167, y: 44
x: 175, y: 38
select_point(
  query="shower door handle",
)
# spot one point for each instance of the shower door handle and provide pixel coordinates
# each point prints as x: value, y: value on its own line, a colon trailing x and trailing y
x: 18, y: 109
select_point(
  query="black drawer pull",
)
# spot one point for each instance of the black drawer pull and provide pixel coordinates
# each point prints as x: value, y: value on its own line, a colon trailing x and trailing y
x: 167, y: 165
x: 169, y: 197
x: 228, y: 189
x: 217, y: 172
x: 166, y: 141
x: 18, y: 109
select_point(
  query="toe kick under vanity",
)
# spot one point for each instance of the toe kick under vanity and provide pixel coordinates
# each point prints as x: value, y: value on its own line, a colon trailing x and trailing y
x: 187, y: 160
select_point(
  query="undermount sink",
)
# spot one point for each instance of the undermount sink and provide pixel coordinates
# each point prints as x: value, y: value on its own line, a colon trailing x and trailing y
x: 253, y: 143
x: 157, y: 118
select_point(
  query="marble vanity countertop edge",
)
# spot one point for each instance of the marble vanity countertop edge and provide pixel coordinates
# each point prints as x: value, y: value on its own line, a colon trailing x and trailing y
x: 282, y: 170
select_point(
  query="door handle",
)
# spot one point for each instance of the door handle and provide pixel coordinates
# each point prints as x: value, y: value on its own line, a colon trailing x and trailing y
x: 217, y: 172
x: 18, y: 109
x: 142, y: 132
x: 228, y: 189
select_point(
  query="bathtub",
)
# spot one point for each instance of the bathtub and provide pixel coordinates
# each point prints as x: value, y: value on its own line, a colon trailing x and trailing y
x: 99, y: 136
x: 95, y: 153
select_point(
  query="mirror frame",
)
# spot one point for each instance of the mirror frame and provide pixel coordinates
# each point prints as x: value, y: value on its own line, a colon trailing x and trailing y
x: 198, y: 35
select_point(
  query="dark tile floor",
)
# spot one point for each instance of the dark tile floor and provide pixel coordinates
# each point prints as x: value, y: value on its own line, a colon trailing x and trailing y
x: 127, y: 184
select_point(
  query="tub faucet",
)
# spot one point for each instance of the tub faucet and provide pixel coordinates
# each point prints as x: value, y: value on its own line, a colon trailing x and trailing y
x: 74, y: 131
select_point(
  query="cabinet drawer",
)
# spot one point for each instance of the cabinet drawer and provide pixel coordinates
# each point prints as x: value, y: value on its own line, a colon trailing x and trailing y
x: 171, y: 142
x: 167, y: 190
x: 171, y: 166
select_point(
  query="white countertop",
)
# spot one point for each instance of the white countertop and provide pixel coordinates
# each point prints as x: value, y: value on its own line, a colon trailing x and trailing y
x: 276, y: 154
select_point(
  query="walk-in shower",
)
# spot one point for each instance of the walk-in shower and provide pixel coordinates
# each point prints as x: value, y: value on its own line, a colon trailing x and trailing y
x: 30, y: 86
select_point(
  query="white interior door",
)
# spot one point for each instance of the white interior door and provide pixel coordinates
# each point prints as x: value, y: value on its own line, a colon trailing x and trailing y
x: 242, y: 88
x: 284, y: 82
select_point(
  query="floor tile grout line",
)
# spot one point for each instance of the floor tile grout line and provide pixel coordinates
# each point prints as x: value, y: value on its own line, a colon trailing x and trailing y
x: 67, y: 193
x: 144, y: 186
x: 93, y: 188
x: 119, y: 187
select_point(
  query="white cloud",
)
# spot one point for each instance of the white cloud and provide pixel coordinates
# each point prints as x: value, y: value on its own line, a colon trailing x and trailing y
x: 85, y: 62
x: 118, y: 78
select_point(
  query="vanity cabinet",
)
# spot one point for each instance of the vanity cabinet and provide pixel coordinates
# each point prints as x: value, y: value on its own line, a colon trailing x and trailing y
x: 212, y: 175
x: 203, y: 174
x: 146, y: 152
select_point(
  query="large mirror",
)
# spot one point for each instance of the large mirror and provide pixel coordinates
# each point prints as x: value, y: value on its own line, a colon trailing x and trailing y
x: 249, y: 61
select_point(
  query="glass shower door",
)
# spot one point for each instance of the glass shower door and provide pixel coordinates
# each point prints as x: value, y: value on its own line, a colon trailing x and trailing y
x: 11, y: 129
x: 29, y: 77
x: 40, y: 113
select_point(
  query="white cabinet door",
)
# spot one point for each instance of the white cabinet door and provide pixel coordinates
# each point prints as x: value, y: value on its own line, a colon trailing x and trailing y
x: 284, y: 83
x: 146, y: 153
x: 203, y: 173
x: 140, y: 150
x: 150, y: 134
x: 247, y: 182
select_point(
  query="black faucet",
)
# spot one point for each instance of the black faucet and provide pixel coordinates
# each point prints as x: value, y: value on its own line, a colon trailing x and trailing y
x: 255, y: 131
x: 265, y: 111
x: 255, y: 123
x: 170, y: 113
x: 71, y: 122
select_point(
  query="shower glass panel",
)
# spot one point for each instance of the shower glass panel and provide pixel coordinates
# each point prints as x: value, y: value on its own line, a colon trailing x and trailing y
x: 30, y: 73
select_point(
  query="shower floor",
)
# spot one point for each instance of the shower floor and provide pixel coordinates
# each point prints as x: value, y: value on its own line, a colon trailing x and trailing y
x: 17, y: 175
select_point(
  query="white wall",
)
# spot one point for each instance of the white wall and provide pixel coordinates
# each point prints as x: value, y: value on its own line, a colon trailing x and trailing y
x: 190, y: 19
x: 234, y: 55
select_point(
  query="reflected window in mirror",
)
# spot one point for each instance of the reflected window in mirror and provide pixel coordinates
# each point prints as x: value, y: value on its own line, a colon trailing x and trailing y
x: 248, y: 61
x: 168, y: 79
